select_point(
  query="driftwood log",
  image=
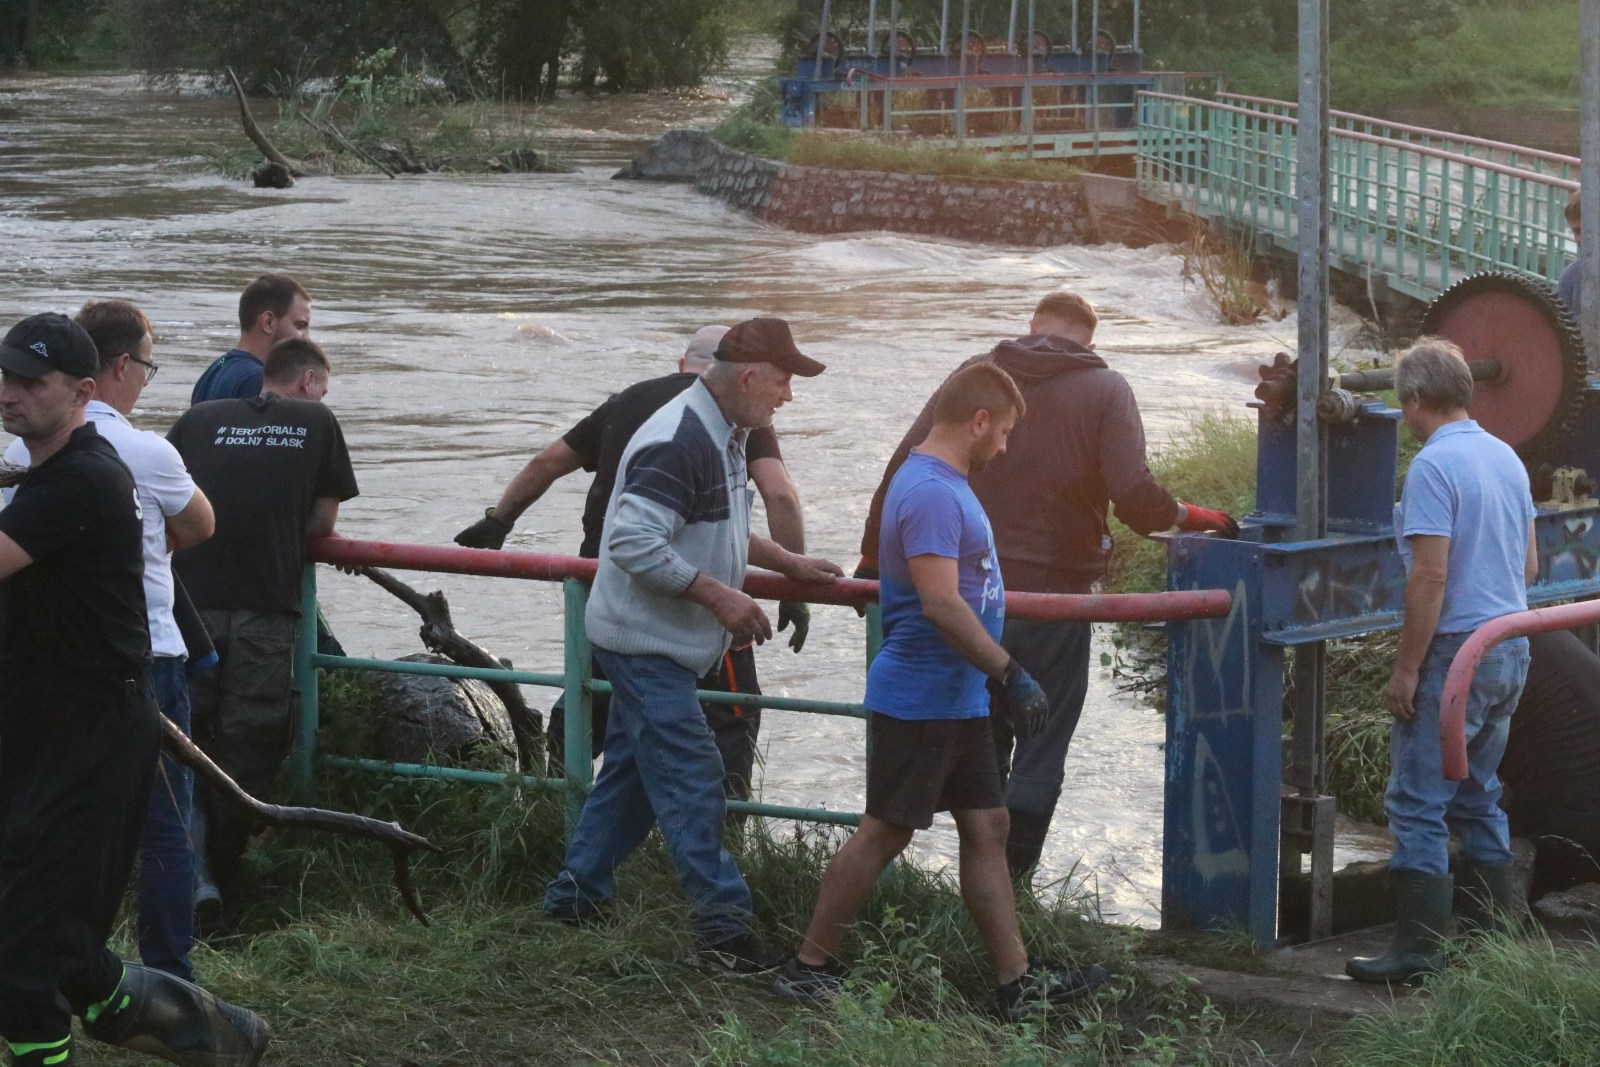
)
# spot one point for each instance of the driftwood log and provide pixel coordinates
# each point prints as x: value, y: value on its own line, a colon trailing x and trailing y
x: 251, y: 130
x: 400, y: 841
x: 439, y: 635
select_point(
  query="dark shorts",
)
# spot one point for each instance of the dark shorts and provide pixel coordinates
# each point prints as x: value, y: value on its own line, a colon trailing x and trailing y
x: 919, y: 767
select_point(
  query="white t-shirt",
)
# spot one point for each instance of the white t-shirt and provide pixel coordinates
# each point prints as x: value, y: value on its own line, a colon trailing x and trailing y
x: 165, y: 488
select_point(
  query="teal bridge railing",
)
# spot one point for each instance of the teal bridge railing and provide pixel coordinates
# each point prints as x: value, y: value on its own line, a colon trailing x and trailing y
x: 579, y: 685
x: 1408, y: 208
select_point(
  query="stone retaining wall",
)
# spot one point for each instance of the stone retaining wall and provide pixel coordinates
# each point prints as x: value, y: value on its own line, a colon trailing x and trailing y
x: 818, y: 200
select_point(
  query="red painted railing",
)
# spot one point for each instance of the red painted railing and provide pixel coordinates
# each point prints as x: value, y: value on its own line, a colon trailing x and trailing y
x: 1458, y: 683
x: 1094, y: 607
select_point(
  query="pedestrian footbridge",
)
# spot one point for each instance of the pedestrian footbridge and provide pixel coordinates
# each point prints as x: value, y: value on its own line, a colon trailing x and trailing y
x: 1410, y: 210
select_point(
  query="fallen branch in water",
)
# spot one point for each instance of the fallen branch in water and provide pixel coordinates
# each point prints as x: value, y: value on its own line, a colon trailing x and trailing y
x: 295, y: 168
x: 400, y: 841
x: 331, y: 132
x: 439, y: 635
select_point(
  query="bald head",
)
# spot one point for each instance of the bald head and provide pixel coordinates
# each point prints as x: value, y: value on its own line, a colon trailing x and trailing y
x: 702, y: 349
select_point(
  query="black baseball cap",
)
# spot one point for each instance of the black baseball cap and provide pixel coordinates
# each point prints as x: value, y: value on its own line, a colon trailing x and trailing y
x: 766, y: 340
x: 40, y: 344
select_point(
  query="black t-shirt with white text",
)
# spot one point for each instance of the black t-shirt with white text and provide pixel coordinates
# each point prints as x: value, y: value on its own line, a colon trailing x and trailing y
x: 262, y: 462
x: 79, y: 606
x: 603, y: 435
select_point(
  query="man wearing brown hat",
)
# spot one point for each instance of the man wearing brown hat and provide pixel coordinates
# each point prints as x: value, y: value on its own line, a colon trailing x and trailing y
x: 665, y: 606
x: 78, y: 731
x: 596, y: 444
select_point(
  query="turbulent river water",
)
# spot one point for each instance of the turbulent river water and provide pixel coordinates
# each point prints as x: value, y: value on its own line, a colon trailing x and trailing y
x: 472, y: 320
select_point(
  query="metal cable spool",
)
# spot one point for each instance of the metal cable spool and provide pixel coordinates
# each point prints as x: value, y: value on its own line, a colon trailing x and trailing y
x: 1518, y: 321
x: 904, y: 46
x: 832, y: 48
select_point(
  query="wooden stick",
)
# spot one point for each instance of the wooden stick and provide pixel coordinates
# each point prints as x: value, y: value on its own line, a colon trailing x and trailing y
x: 331, y: 132
x: 259, y: 139
x: 439, y: 635
x: 400, y: 841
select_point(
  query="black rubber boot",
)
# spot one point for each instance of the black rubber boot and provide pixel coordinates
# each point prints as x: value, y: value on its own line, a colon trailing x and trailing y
x: 1487, y: 903
x: 159, y: 1015
x: 46, y: 1054
x: 1025, y: 842
x: 1422, y: 905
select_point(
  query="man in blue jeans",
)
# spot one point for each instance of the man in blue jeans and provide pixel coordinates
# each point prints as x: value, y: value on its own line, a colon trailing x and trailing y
x: 1465, y: 526
x: 665, y: 607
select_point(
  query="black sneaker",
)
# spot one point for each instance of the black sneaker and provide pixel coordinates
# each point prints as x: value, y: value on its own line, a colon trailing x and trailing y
x: 741, y: 954
x: 801, y: 981
x: 1046, y: 984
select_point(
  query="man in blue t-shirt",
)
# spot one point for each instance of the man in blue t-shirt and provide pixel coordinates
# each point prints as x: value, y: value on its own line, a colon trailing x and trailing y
x: 1465, y: 534
x: 272, y: 308
x: 929, y: 694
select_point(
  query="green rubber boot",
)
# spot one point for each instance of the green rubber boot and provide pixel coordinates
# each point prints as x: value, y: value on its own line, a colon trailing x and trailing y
x: 1487, y: 898
x: 159, y: 1015
x: 42, y: 1053
x: 1422, y: 905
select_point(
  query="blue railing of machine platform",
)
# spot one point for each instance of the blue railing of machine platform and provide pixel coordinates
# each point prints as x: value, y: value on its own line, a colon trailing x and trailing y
x: 1413, y: 215
x: 578, y: 684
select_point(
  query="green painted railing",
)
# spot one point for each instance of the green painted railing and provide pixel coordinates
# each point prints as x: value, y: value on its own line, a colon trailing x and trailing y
x: 1401, y: 213
x: 579, y: 686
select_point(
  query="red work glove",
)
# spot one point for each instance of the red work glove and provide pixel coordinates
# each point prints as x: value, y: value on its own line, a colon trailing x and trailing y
x: 1199, y: 520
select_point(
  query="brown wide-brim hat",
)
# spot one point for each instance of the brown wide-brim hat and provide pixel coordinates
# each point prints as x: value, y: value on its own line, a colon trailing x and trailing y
x: 767, y: 340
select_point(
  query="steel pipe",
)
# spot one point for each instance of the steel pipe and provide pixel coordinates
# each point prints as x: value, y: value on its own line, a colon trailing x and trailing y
x: 1094, y: 607
x: 1458, y: 682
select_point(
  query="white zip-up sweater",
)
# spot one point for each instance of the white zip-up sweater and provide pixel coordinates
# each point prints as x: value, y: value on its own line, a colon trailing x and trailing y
x: 681, y: 506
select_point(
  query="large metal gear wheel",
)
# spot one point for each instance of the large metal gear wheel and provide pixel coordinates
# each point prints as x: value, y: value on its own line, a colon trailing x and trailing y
x: 1518, y: 320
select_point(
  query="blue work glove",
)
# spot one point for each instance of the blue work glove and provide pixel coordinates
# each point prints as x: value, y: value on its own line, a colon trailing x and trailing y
x: 1023, y: 698
x: 799, y: 613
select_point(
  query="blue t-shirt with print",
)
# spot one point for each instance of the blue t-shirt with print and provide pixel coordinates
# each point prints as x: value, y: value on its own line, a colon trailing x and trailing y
x: 1470, y: 486
x: 931, y: 511
x: 234, y: 375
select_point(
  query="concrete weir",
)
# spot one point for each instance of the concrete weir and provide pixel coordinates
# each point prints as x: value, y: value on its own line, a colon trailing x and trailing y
x: 1080, y: 209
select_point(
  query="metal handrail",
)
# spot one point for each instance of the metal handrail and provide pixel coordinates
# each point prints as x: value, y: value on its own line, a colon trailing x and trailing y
x: 1458, y: 682
x: 579, y: 687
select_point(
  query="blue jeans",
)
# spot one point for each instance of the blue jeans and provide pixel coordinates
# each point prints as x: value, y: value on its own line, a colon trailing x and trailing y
x: 1423, y: 807
x: 661, y: 765
x: 166, y: 852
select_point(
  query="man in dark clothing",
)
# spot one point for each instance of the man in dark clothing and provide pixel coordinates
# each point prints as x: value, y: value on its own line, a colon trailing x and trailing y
x: 1551, y: 766
x: 275, y: 468
x: 596, y: 444
x: 79, y: 733
x: 1081, y: 449
x: 272, y: 308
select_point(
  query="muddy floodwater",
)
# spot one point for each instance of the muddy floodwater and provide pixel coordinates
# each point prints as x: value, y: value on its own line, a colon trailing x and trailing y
x: 472, y: 320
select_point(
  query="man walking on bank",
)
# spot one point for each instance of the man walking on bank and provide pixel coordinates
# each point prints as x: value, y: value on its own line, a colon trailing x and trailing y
x: 1082, y: 450
x: 665, y: 606
x: 1465, y: 526
x: 79, y: 733
x: 943, y: 605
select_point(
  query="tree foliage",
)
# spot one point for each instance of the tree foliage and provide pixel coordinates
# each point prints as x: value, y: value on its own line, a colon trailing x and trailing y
x: 512, y: 46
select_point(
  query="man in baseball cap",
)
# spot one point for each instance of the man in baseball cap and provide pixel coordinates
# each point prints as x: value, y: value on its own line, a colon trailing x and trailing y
x: 40, y: 344
x: 767, y: 340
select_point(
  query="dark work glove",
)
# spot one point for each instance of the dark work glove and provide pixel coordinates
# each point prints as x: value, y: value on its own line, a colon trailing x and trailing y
x: 1023, y: 698
x: 487, y: 532
x: 799, y: 613
x: 867, y: 569
x: 1200, y: 520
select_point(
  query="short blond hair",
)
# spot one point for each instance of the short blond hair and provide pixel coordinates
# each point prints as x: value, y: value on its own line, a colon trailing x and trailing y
x: 1574, y: 210
x: 1069, y: 309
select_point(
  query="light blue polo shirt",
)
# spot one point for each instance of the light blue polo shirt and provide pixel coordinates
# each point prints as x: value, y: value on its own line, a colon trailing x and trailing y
x: 1469, y: 486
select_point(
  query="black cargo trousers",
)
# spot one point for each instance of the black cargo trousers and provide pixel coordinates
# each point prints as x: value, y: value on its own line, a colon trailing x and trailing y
x: 77, y: 759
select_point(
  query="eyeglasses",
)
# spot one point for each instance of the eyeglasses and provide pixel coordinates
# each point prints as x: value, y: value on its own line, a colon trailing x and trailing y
x: 149, y: 368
